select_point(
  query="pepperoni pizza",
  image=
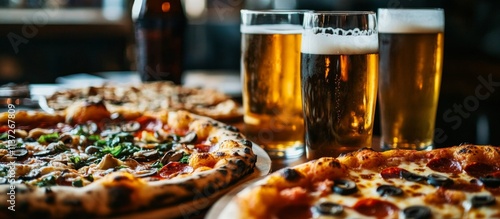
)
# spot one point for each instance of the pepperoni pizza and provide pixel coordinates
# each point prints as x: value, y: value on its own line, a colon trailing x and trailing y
x: 456, y: 182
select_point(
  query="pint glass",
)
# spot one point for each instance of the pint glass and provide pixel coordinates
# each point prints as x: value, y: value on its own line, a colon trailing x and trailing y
x: 270, y: 70
x: 339, y: 70
x: 411, y: 57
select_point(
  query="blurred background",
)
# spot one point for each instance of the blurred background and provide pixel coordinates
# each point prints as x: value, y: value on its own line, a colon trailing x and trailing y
x: 45, y: 39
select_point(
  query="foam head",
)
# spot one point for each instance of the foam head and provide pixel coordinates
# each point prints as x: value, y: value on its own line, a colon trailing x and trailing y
x: 337, y: 42
x: 272, y: 29
x: 411, y: 20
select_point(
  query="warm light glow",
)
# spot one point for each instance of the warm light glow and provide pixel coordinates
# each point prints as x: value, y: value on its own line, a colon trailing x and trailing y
x: 344, y: 68
x: 327, y: 65
x: 165, y: 7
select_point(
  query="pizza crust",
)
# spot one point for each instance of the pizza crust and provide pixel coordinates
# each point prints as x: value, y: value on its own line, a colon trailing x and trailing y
x: 31, y: 118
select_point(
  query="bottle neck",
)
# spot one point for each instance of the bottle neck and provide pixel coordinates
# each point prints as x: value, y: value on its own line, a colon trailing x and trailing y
x: 158, y: 9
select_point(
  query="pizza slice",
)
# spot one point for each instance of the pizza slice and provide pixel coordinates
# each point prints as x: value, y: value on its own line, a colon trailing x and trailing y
x: 455, y: 182
x: 90, y: 162
x: 150, y: 96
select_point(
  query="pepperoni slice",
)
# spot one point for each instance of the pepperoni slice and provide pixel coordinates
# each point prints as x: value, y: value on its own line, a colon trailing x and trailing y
x: 477, y: 169
x: 392, y: 173
x: 143, y: 120
x: 464, y: 186
x: 4, y: 128
x: 174, y: 168
x: 444, y: 165
x: 375, y: 207
x: 149, y: 123
x: 202, y: 147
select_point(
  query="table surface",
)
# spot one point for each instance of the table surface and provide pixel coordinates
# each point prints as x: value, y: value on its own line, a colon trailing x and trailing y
x: 226, y: 82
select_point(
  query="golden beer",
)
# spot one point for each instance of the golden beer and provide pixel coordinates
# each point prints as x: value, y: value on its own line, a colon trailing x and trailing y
x: 271, y: 88
x: 410, y: 77
x: 339, y: 85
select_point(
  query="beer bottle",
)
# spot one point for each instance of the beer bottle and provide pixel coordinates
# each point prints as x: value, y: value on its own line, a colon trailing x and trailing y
x: 159, y: 34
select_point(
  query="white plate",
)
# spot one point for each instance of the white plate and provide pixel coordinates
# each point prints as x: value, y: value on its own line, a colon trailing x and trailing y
x: 224, y: 208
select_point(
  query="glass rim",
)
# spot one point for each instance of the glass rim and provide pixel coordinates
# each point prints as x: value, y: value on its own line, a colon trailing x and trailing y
x: 274, y: 11
x: 410, y: 9
x: 341, y: 12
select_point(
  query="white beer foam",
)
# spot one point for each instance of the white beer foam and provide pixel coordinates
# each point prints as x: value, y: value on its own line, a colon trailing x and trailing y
x: 410, y: 20
x: 339, y: 44
x: 272, y: 29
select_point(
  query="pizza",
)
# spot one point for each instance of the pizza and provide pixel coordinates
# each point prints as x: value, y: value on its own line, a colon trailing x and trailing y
x: 90, y: 162
x: 455, y: 182
x: 150, y: 96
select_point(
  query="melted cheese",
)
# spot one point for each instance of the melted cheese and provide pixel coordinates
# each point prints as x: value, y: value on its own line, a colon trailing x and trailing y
x: 368, y: 181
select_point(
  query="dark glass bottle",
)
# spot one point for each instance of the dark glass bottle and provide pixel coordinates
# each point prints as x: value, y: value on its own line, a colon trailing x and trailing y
x: 159, y: 32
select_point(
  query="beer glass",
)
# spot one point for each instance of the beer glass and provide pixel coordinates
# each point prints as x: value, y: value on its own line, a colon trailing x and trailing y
x: 270, y: 70
x: 339, y: 59
x: 411, y: 58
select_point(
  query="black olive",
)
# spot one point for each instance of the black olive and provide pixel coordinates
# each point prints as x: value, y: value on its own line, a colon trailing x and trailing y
x: 291, y: 174
x: 344, y: 187
x: 246, y: 142
x: 19, y: 152
x: 188, y: 138
x: 131, y: 126
x: 92, y: 149
x: 417, y: 212
x: 439, y: 180
x: 490, y: 181
x: 388, y: 190
x: 66, y: 139
x: 247, y: 150
x: 482, y: 200
x: 412, y: 176
x: 42, y: 153
x: 328, y: 208
x: 231, y: 128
